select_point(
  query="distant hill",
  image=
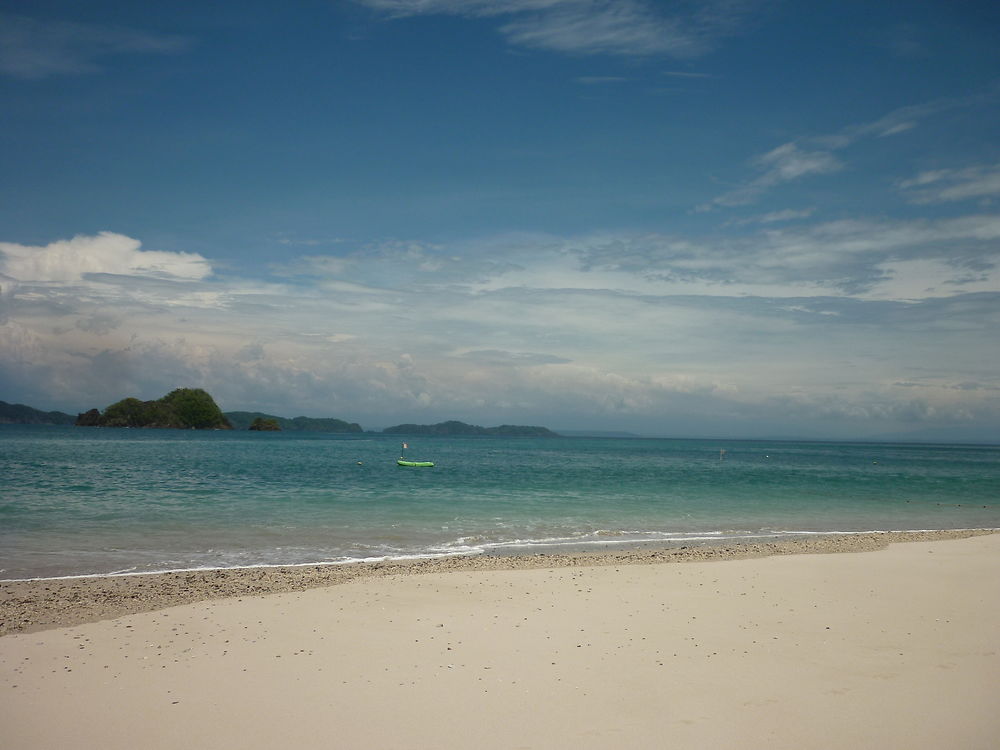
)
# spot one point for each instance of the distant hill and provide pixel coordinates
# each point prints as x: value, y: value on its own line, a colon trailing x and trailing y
x: 460, y: 429
x: 21, y: 414
x: 241, y: 420
x: 183, y: 408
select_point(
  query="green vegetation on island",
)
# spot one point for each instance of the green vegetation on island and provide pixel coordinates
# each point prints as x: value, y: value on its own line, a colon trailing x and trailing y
x: 260, y: 424
x: 183, y: 408
x: 21, y: 414
x: 460, y: 429
x: 242, y: 420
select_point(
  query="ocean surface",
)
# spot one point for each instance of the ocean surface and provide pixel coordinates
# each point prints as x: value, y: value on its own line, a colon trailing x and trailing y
x: 80, y: 501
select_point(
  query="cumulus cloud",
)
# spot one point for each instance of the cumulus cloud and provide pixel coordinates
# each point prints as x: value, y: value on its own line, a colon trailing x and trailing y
x: 33, y: 49
x: 107, y: 252
x: 614, y: 27
x: 639, y: 328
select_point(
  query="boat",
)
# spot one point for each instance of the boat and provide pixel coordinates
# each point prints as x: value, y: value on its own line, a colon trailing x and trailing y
x: 403, y: 462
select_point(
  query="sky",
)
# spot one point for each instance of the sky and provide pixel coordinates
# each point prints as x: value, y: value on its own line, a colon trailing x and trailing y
x: 708, y: 218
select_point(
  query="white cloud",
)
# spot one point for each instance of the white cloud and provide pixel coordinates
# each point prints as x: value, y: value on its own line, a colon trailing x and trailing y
x: 615, y: 27
x: 7, y: 286
x: 949, y: 185
x: 858, y: 257
x: 813, y: 155
x: 889, y: 259
x: 630, y: 329
x: 499, y: 357
x: 623, y: 28
x: 775, y: 217
x: 861, y: 258
x: 789, y: 162
x: 465, y: 7
x: 33, y: 49
x: 785, y: 163
x: 105, y: 253
x: 931, y: 277
x: 903, y: 119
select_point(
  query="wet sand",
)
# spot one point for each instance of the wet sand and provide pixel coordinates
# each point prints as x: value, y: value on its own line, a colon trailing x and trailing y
x: 750, y: 646
x: 29, y: 606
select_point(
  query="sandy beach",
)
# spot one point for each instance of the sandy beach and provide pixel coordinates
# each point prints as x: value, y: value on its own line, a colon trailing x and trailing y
x: 895, y: 646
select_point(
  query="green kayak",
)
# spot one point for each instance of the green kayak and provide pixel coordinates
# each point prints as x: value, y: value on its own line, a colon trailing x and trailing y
x: 401, y: 462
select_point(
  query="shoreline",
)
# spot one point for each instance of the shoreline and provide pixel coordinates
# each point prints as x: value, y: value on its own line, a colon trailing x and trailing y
x: 34, y: 605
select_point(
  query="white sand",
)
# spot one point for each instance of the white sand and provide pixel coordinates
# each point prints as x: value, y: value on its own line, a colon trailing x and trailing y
x: 898, y: 648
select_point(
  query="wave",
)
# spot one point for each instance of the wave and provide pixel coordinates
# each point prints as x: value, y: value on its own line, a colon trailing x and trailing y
x: 512, y: 547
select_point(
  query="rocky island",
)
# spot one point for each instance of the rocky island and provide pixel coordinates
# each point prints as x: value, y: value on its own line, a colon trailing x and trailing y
x: 183, y: 408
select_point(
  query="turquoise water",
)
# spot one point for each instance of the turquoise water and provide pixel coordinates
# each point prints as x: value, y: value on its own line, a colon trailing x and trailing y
x: 96, y: 501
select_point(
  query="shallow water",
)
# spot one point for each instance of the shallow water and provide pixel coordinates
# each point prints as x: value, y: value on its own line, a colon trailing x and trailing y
x: 83, y: 500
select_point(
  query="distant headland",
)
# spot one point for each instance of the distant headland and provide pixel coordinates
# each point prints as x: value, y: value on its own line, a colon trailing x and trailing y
x: 245, y: 420
x: 460, y: 429
x: 21, y: 414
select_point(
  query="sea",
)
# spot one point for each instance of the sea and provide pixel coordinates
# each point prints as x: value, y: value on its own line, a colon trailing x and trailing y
x: 98, y: 501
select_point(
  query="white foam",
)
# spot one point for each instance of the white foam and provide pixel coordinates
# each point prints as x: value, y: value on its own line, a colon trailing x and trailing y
x: 466, y: 550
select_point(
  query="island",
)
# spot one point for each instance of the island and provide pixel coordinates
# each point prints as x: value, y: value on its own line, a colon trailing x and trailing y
x: 244, y: 420
x: 183, y: 408
x: 194, y: 408
x: 461, y: 429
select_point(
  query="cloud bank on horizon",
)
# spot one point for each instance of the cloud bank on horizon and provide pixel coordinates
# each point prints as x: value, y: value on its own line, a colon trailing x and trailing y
x: 707, y: 219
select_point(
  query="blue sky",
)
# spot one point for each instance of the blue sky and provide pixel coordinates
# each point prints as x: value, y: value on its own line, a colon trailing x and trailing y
x: 716, y: 218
